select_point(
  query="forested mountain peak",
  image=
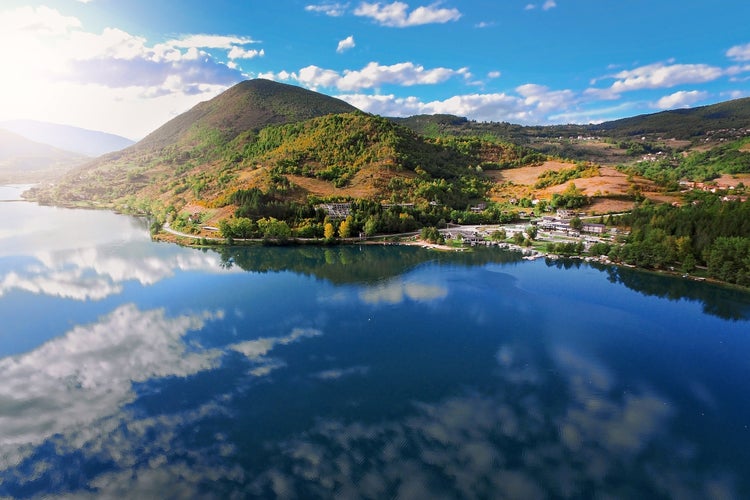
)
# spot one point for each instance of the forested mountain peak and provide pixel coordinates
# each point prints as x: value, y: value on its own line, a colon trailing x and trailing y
x: 249, y: 105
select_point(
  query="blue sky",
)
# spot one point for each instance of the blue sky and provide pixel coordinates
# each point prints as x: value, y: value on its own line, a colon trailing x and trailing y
x: 128, y: 66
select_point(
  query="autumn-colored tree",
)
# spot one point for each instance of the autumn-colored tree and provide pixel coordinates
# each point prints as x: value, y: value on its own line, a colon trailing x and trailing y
x: 328, y: 232
x: 345, y: 228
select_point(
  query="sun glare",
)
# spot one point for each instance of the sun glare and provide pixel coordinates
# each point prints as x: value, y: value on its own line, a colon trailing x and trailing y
x: 35, y: 57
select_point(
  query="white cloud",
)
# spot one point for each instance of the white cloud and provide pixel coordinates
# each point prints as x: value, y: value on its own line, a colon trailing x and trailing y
x: 739, y: 52
x: 396, y: 14
x: 240, y: 53
x: 533, y: 104
x: 494, y: 74
x: 36, y: 21
x: 315, y: 77
x: 374, y: 75
x: 735, y: 94
x: 681, y: 99
x: 329, y: 9
x: 545, y: 100
x: 660, y: 75
x: 207, y: 41
x: 549, y: 4
x: 482, y: 107
x: 345, y: 44
x: 65, y: 73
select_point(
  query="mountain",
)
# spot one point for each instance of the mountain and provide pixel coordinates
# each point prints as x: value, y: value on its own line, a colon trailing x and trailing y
x: 194, y: 139
x: 248, y: 106
x: 78, y: 140
x: 683, y: 123
x: 280, y: 138
x: 22, y: 160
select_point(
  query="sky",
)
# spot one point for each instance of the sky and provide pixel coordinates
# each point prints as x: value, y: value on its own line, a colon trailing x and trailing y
x: 128, y: 66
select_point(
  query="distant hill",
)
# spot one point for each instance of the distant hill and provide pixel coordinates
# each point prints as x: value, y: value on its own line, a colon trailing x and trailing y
x: 22, y: 160
x: 78, y: 140
x: 683, y: 123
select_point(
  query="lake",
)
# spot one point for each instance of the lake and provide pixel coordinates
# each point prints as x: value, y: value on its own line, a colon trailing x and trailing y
x: 147, y: 370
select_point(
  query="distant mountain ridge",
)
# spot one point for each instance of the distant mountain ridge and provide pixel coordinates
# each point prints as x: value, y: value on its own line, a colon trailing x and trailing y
x: 23, y: 160
x: 77, y: 140
x: 683, y: 123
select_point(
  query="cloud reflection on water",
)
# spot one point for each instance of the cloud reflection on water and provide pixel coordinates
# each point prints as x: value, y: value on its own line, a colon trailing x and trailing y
x: 509, y: 444
x: 257, y: 350
x: 77, y: 379
x: 96, y: 273
x: 396, y: 291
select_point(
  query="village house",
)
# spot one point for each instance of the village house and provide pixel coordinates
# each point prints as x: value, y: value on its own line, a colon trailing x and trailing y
x: 566, y: 214
x: 589, y: 227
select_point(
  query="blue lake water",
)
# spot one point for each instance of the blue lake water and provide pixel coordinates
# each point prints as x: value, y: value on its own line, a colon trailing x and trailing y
x: 144, y: 370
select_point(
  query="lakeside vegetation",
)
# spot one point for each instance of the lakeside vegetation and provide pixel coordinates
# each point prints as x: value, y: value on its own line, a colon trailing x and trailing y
x: 711, y: 234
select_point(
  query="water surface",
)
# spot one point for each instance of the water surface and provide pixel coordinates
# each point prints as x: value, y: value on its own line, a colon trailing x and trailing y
x: 132, y: 368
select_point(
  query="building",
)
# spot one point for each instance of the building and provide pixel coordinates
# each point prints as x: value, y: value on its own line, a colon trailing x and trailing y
x: 592, y: 228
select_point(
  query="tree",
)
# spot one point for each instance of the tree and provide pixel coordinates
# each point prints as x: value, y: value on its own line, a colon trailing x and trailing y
x: 498, y: 235
x: 345, y: 227
x: 371, y: 226
x: 277, y: 230
x: 576, y: 223
x: 432, y: 235
x: 728, y: 259
x: 531, y: 231
x: 328, y: 232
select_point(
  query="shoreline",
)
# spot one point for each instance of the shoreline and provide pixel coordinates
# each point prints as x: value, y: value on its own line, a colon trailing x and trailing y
x: 529, y: 254
x: 168, y: 235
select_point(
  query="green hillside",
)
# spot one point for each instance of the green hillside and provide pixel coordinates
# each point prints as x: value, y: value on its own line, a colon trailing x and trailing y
x: 192, y: 140
x: 249, y: 105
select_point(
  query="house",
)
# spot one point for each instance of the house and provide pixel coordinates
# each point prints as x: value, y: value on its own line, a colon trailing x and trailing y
x: 589, y: 227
